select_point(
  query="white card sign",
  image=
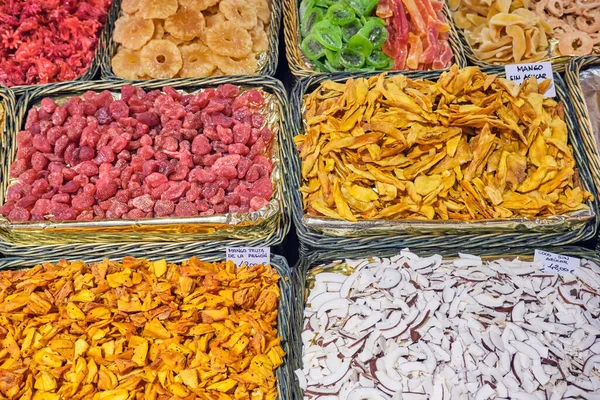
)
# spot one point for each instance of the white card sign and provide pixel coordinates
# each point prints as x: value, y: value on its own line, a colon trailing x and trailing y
x: 541, y: 71
x: 556, y: 263
x: 249, y: 255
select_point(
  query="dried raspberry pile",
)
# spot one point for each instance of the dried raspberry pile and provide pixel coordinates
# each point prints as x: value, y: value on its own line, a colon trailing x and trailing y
x: 43, y: 41
x: 154, y: 154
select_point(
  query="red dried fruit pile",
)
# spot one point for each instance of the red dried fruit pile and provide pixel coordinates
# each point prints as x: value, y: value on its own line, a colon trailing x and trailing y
x: 153, y: 154
x: 43, y: 41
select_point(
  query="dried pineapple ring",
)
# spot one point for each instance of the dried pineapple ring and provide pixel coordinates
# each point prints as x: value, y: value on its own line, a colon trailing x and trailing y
x: 186, y: 24
x: 229, y: 39
x: 127, y: 64
x: 133, y: 32
x: 159, y: 30
x: 130, y: 6
x: 239, y: 12
x: 263, y: 12
x: 236, y: 66
x: 214, y: 19
x: 199, y: 5
x: 162, y: 9
x: 161, y: 59
x: 197, y: 61
x: 260, y: 41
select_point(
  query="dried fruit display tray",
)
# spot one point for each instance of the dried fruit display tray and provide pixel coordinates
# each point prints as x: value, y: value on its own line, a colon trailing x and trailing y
x: 95, y: 64
x: 300, y: 65
x: 341, y: 234
x: 267, y: 61
x: 177, y: 235
x: 391, y: 283
x: 284, y: 313
x: 587, y: 136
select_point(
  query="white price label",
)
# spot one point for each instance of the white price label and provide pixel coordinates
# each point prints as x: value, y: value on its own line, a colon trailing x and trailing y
x: 556, y: 263
x: 541, y: 71
x: 249, y: 255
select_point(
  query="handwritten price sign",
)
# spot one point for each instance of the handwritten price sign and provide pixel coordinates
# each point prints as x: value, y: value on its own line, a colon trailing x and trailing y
x: 249, y: 255
x: 556, y: 263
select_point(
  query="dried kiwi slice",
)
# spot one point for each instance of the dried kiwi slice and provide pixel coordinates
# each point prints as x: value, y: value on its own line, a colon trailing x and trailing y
x: 311, y: 17
x: 305, y: 5
x: 340, y: 14
x: 379, y: 60
x: 333, y: 60
x: 360, y: 44
x: 362, y: 7
x: 324, y: 3
x: 312, y: 48
x: 351, y: 59
x: 327, y: 34
x: 351, y: 29
x: 319, y: 66
x: 375, y: 31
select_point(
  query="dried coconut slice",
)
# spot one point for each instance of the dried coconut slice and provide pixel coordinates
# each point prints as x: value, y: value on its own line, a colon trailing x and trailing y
x: 133, y: 32
x: 239, y: 12
x: 161, y: 9
x: 199, y: 5
x: 236, y: 66
x: 161, y: 59
x: 197, y: 61
x: 229, y: 39
x: 130, y: 6
x: 127, y: 64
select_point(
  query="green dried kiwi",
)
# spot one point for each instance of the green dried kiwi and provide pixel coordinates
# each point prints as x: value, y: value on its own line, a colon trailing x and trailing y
x: 340, y: 14
x: 312, y: 48
x: 360, y: 44
x: 374, y: 30
x: 351, y: 29
x: 305, y: 5
x: 351, y: 59
x: 362, y: 7
x: 333, y: 60
x: 379, y: 60
x: 324, y: 3
x: 327, y: 34
x: 311, y: 17
x: 319, y: 66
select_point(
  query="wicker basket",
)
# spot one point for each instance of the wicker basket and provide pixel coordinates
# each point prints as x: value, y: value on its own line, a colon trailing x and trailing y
x: 300, y: 66
x: 268, y: 66
x: 7, y: 100
x: 279, y: 263
x: 176, y: 234
x: 308, y: 262
x: 559, y: 63
x: 95, y: 64
x: 312, y: 240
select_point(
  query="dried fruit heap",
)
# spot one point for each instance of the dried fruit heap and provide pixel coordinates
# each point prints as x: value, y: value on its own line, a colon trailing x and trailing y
x: 139, y: 329
x: 434, y: 328
x: 154, y: 154
x: 43, y: 41
x: 468, y: 147
x: 190, y: 38
x: 346, y: 36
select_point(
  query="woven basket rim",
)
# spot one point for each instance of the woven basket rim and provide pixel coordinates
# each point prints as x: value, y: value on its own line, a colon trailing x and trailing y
x: 294, y: 53
x: 313, y: 240
x: 272, y: 52
x: 282, y: 222
x: 90, y: 72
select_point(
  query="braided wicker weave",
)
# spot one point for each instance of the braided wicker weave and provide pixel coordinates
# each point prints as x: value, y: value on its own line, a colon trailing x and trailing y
x: 95, y: 64
x: 308, y: 262
x: 103, y: 237
x: 7, y: 100
x: 300, y: 66
x: 312, y: 240
x: 284, y: 315
x: 268, y: 68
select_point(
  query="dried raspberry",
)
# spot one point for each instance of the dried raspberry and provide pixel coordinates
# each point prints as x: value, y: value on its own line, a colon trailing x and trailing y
x: 186, y: 209
x: 164, y: 208
x: 82, y: 201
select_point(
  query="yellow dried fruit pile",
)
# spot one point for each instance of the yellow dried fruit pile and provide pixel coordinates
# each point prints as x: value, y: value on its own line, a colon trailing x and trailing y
x: 139, y: 330
x: 190, y: 38
x: 468, y: 147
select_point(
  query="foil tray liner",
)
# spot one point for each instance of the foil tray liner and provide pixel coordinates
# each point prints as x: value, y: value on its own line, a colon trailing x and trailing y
x: 590, y: 86
x: 248, y: 225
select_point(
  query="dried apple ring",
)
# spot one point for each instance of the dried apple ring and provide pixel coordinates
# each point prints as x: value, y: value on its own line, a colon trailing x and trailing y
x: 239, y: 12
x: 127, y: 64
x: 555, y: 7
x: 197, y: 61
x: 588, y: 25
x: 236, y: 66
x: 161, y: 59
x: 186, y: 24
x: 229, y: 39
x: 133, y: 32
x: 575, y: 44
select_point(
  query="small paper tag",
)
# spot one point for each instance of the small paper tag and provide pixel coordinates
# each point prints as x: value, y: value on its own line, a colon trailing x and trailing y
x: 542, y: 71
x: 556, y: 263
x: 249, y: 255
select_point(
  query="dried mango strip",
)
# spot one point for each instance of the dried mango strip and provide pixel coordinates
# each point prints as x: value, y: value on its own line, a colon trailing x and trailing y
x: 139, y: 330
x: 468, y: 147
